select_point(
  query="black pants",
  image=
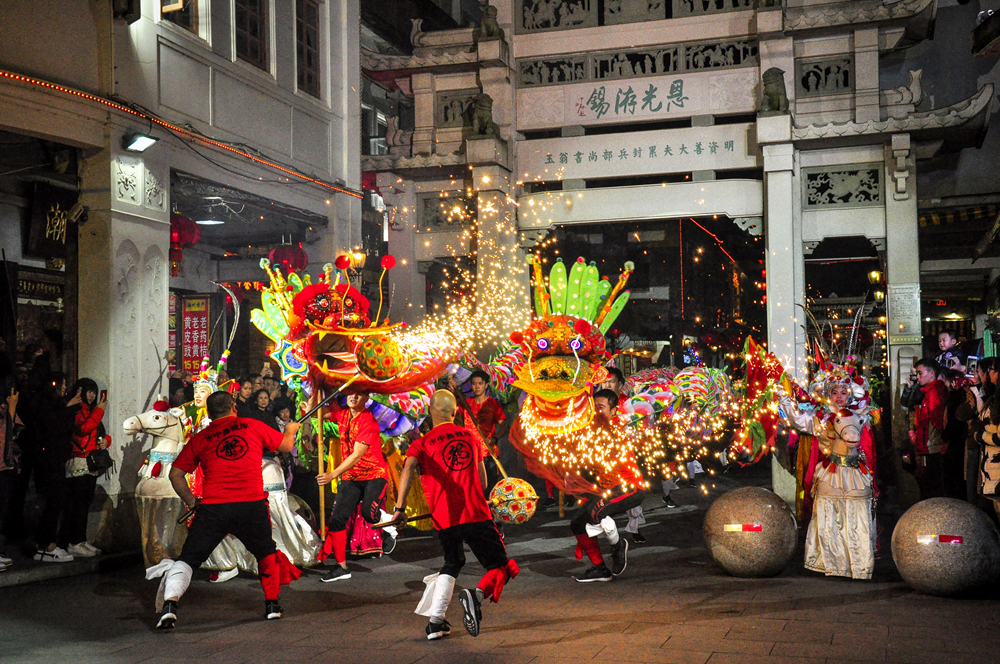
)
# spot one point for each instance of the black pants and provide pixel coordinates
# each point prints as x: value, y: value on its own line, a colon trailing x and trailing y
x: 55, y: 504
x: 31, y: 463
x: 78, y: 497
x: 249, y: 522
x: 598, y: 507
x: 482, y: 537
x: 931, y: 480
x: 368, y: 493
x: 7, y: 479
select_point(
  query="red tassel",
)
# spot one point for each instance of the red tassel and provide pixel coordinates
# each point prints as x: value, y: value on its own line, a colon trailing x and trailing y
x: 157, y: 467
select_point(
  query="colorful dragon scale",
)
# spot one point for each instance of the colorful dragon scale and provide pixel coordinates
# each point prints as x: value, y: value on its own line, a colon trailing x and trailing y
x: 322, y: 331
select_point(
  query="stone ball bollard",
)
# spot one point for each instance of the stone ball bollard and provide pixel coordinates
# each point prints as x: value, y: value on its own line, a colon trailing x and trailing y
x: 944, y: 546
x: 750, y: 532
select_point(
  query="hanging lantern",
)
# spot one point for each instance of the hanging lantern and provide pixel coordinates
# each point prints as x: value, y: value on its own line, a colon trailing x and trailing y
x: 289, y: 258
x: 184, y: 232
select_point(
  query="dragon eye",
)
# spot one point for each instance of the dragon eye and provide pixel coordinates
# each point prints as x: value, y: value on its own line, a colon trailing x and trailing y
x: 543, y: 344
x: 349, y: 302
x: 575, y: 344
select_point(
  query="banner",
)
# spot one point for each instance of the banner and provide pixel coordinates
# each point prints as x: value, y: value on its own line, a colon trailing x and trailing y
x: 194, y: 332
x: 172, y: 333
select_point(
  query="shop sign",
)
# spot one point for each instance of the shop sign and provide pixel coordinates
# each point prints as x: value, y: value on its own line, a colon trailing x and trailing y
x: 172, y: 333
x: 194, y: 332
x: 638, y: 153
x: 33, y: 289
x: 49, y: 223
x: 665, y: 97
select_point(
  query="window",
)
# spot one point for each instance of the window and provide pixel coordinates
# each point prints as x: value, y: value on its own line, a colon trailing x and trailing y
x: 251, y: 32
x: 307, y: 45
x: 183, y: 13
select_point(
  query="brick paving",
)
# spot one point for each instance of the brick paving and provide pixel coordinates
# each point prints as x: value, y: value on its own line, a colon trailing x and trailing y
x: 672, y: 606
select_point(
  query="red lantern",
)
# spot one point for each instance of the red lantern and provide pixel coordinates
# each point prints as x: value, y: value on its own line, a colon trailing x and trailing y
x: 289, y: 258
x: 184, y: 232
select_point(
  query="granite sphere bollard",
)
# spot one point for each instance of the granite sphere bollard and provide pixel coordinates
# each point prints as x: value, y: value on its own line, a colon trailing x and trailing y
x: 944, y: 546
x: 750, y: 532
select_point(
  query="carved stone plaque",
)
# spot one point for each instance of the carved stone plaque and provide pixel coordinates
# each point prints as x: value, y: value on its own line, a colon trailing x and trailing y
x: 452, y: 107
x: 633, y: 11
x: 542, y: 15
x: 818, y: 78
x: 842, y: 186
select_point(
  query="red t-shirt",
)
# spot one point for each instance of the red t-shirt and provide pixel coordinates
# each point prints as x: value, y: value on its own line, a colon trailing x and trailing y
x: 230, y: 451
x: 362, y: 429
x: 488, y: 415
x: 449, y: 460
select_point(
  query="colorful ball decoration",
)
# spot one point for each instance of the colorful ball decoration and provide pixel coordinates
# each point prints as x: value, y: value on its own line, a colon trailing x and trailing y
x: 381, y: 358
x: 513, y: 500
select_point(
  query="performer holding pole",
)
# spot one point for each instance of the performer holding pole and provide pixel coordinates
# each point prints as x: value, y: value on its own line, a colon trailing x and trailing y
x: 363, y: 475
x: 454, y: 480
x: 230, y: 452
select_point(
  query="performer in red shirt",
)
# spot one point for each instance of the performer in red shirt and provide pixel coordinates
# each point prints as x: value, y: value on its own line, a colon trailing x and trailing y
x: 233, y: 500
x: 454, y: 480
x: 364, y: 476
x: 487, y: 410
x: 595, y: 515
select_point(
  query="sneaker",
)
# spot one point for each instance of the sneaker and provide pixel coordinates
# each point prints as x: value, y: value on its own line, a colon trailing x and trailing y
x: 4, y: 560
x: 669, y: 502
x: 437, y: 631
x: 168, y: 616
x: 223, y: 575
x: 56, y: 555
x: 595, y: 573
x: 338, y: 573
x: 619, y: 557
x: 272, y: 610
x: 80, y: 551
x: 639, y: 538
x: 471, y: 611
x: 90, y: 546
x: 388, y: 543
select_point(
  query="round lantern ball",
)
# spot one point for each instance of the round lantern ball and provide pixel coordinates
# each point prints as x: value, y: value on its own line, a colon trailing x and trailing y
x: 944, y: 546
x: 750, y: 532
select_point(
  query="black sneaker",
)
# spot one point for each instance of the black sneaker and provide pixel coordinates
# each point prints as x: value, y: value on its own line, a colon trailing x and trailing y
x: 168, y: 615
x: 437, y: 631
x: 639, y: 537
x: 619, y: 556
x: 388, y: 543
x: 471, y: 611
x: 595, y: 573
x: 669, y: 501
x: 272, y: 610
x: 338, y: 573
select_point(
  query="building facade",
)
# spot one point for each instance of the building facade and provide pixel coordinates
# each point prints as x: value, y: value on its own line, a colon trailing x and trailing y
x: 770, y: 116
x: 254, y: 107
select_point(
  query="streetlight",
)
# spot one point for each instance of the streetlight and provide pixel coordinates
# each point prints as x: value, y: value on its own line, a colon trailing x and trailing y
x: 874, y: 277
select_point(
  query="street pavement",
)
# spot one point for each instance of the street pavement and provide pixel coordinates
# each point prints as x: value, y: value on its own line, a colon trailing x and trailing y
x: 672, y: 605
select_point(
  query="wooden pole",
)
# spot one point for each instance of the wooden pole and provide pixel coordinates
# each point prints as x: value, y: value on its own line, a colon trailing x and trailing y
x: 322, y: 489
x: 562, y: 506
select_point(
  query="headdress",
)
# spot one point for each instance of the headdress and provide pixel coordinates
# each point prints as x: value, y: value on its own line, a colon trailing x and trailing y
x: 207, y: 376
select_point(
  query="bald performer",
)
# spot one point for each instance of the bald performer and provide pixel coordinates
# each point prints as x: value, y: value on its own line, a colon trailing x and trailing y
x: 453, y: 475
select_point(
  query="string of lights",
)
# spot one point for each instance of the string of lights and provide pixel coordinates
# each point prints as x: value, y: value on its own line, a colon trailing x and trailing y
x: 181, y: 131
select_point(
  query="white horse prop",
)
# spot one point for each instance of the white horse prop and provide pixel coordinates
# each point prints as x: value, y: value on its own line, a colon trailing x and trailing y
x: 158, y: 504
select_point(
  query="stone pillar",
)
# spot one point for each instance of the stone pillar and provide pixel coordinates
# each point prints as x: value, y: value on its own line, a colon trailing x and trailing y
x: 866, y: 52
x: 784, y: 265
x: 123, y: 291
x: 501, y: 277
x: 407, y: 287
x: 902, y: 263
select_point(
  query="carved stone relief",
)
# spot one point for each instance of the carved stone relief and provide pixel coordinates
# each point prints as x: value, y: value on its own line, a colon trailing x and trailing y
x: 542, y: 108
x: 155, y: 196
x: 842, y: 186
x: 128, y: 180
x: 552, y: 70
x: 699, y: 7
x: 735, y: 90
x: 126, y: 328
x: 633, y: 11
x: 538, y: 15
x: 437, y: 212
x: 818, y: 78
x: 452, y: 108
x: 611, y: 65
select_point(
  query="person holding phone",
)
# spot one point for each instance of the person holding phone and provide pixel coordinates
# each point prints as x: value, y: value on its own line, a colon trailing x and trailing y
x: 81, y: 482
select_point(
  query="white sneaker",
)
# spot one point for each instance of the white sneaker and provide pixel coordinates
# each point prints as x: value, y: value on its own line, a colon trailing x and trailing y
x: 91, y: 547
x: 56, y: 555
x: 80, y: 551
x: 224, y: 575
x: 4, y: 560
